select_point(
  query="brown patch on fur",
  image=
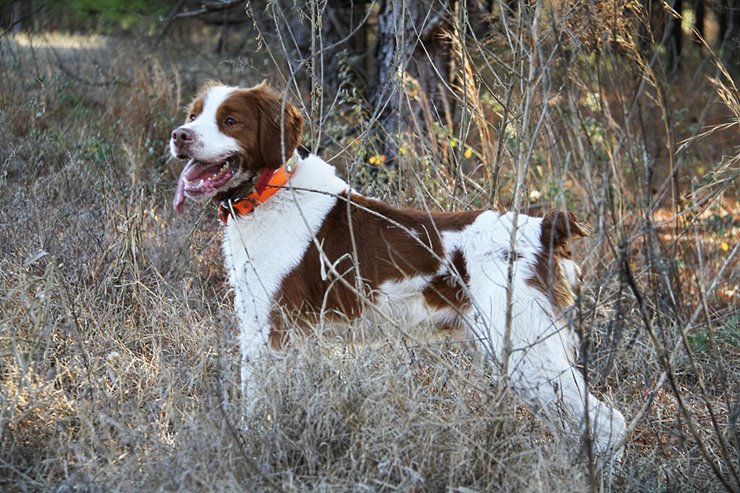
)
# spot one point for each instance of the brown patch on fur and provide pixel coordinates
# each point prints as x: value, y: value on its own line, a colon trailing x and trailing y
x: 268, y: 139
x: 196, y: 106
x: 392, y: 244
x: 557, y: 228
x: 446, y: 290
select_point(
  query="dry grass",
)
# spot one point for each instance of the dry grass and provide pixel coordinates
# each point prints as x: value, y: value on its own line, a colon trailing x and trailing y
x: 118, y: 351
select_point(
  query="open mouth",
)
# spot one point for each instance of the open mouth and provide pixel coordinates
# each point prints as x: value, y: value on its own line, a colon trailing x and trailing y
x: 200, y: 180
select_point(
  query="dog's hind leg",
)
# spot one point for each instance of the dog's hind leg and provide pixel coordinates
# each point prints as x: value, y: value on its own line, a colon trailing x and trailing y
x: 540, y: 369
x: 558, y: 392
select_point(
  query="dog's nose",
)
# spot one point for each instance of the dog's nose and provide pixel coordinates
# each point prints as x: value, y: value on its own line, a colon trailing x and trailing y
x: 182, y: 136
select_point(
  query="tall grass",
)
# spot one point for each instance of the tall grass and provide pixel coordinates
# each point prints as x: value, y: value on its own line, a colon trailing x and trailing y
x: 118, y: 352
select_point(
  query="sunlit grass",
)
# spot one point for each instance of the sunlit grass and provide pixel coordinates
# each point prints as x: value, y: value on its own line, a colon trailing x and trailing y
x: 54, y: 39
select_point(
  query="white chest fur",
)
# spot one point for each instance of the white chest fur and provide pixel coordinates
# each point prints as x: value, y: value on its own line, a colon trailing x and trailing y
x: 262, y: 248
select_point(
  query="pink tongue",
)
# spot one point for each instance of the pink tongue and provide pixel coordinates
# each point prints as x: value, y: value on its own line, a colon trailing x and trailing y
x: 179, y: 200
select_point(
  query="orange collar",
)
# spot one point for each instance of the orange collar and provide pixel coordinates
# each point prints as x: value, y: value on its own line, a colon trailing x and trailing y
x: 245, y: 205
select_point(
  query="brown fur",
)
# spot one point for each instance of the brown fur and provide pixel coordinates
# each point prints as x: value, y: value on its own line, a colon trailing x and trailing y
x: 557, y: 228
x: 447, y: 289
x: 386, y: 252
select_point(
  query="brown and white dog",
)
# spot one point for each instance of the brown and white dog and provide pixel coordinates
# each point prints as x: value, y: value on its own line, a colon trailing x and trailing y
x: 301, y: 246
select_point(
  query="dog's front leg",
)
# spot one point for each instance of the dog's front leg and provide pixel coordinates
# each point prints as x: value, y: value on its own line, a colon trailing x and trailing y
x: 252, y: 305
x: 253, y: 342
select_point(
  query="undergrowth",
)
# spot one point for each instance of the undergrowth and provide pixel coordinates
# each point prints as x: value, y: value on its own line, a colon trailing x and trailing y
x: 118, y: 351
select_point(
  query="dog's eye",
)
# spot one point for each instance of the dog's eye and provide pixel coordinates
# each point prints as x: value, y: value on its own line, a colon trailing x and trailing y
x: 229, y: 121
x: 191, y: 117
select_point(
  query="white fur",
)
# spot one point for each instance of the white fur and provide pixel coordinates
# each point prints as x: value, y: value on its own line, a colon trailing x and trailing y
x: 402, y: 302
x: 210, y: 144
x: 540, y: 367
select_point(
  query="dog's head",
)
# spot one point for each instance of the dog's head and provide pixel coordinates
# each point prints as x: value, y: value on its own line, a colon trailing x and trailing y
x: 231, y: 135
x: 556, y: 274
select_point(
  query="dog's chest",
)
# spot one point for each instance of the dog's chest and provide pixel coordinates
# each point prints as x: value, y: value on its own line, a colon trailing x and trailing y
x: 262, y: 248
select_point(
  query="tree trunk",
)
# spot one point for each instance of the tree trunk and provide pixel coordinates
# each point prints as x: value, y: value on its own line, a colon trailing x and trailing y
x: 674, y: 35
x: 411, y: 44
x: 699, y: 19
x: 385, y: 94
x: 345, y: 40
x: 730, y: 35
x: 319, y: 41
x: 722, y: 12
x: 17, y: 17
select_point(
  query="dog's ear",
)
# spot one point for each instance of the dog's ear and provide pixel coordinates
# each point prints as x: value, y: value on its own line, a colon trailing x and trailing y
x: 279, y: 130
x: 558, y: 227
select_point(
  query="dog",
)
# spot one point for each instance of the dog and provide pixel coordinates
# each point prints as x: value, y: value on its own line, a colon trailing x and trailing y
x: 304, y: 251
